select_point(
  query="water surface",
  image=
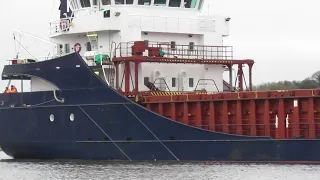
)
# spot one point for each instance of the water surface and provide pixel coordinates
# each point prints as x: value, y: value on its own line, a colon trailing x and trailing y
x: 77, y: 170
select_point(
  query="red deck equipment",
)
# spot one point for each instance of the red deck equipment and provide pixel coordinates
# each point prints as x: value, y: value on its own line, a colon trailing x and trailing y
x: 244, y: 112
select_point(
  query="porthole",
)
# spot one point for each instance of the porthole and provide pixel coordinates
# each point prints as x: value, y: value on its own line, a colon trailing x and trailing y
x: 71, y: 117
x: 51, y: 117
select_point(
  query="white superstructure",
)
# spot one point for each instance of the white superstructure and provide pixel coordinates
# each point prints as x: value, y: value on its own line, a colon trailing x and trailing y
x: 99, y: 26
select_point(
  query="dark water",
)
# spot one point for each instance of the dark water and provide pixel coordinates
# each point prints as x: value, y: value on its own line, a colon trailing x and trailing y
x: 71, y: 170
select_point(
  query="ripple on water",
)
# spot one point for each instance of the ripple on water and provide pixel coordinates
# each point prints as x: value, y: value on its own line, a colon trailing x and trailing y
x: 75, y: 170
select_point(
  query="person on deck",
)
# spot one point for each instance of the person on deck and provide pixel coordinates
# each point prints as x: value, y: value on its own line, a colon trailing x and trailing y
x: 13, y: 89
x: 7, y: 90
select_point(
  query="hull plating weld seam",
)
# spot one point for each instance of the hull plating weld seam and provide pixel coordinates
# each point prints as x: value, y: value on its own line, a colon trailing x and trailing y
x: 151, y: 133
x: 104, y: 133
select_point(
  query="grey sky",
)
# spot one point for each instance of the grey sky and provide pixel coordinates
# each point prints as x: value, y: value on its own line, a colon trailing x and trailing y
x: 282, y: 36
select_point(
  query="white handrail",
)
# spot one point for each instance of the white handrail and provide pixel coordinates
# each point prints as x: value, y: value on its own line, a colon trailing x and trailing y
x: 104, y: 75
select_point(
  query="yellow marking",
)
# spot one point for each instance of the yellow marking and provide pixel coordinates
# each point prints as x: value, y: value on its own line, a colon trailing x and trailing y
x: 165, y: 93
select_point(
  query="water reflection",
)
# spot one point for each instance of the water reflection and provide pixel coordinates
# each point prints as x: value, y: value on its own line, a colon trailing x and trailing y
x: 38, y: 169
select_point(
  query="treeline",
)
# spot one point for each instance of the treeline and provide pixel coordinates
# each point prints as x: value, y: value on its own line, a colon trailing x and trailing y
x: 308, y: 83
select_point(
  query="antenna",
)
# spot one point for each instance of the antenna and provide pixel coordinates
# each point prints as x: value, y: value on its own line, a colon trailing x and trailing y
x: 15, y: 46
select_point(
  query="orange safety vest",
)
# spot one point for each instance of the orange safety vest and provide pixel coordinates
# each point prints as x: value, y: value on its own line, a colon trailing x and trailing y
x: 14, y: 90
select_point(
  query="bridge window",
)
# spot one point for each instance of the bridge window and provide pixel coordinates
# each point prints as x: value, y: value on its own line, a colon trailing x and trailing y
x: 106, y: 2
x: 74, y: 4
x: 190, y: 3
x: 129, y: 1
x: 119, y: 1
x: 95, y: 2
x: 190, y: 82
x: 85, y: 3
x: 144, y: 2
x: 160, y: 2
x: 200, y: 4
x: 174, y: 3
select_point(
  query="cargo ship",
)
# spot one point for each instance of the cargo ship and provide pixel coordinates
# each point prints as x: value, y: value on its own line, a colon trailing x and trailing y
x: 144, y: 80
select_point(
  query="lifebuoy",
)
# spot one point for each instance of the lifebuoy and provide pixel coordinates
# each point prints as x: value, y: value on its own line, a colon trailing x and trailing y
x: 77, y: 47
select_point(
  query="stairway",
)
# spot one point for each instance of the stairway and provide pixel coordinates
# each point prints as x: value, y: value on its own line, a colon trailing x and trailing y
x: 93, y: 40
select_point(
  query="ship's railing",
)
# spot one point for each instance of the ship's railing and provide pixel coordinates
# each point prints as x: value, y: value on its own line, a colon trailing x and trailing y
x: 89, y: 58
x: 172, y: 50
x: 63, y: 24
x: 60, y: 26
x: 30, y: 59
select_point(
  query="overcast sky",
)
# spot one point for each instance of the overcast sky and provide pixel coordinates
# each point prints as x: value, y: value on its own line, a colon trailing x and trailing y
x: 282, y: 36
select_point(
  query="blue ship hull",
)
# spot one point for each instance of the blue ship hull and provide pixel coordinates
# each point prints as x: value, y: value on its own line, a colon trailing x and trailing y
x: 108, y: 126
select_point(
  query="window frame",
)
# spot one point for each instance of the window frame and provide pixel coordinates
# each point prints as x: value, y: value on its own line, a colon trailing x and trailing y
x: 93, y: 3
x: 181, y: 3
x: 200, y: 4
x: 146, y: 80
x: 83, y: 5
x: 121, y: 3
x: 191, y: 46
x: 67, y: 48
x: 125, y: 1
x: 165, y: 4
x: 173, y: 82
x: 108, y: 4
x: 144, y: 4
x: 190, y: 6
x: 191, y: 82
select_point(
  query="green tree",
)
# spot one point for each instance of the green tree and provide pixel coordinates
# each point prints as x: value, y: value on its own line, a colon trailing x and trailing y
x: 316, y: 76
x: 308, y: 83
